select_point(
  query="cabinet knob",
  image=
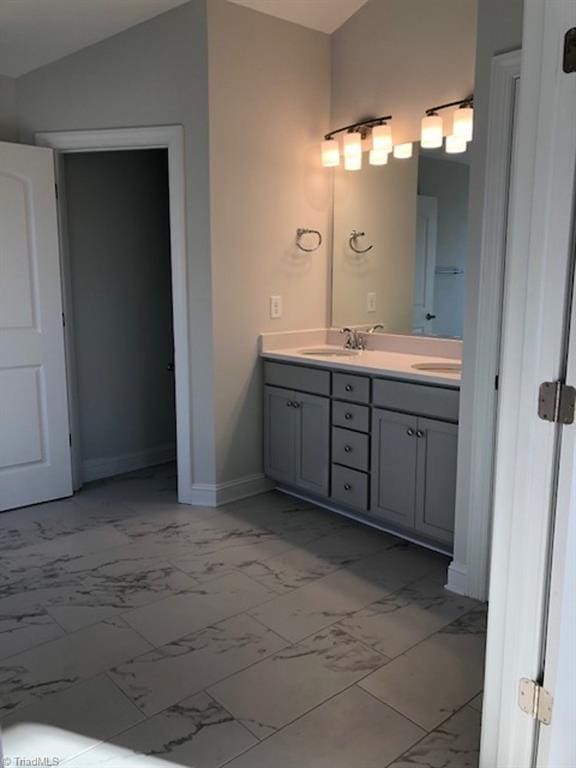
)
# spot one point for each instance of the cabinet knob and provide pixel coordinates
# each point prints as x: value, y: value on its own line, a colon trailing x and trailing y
x: 349, y: 388
x: 347, y: 486
x: 347, y: 449
x: 410, y: 432
x: 419, y: 433
x: 296, y: 404
x: 289, y: 404
x: 348, y: 416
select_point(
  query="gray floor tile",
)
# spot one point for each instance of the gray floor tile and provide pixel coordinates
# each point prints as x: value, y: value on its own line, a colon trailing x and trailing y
x: 57, y: 665
x: 66, y: 724
x: 437, y: 677
x: 477, y: 702
x: 24, y: 627
x: 172, y: 618
x: 196, y: 733
x: 164, y: 676
x: 398, y: 621
x: 454, y: 744
x: 352, y: 730
x: 331, y: 598
x: 268, y: 695
x: 289, y: 571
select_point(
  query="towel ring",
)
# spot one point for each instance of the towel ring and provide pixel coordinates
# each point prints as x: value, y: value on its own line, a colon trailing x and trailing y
x: 353, y: 239
x: 300, y: 231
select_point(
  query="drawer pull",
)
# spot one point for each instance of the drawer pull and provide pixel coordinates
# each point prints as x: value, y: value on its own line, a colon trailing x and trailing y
x: 410, y: 432
x: 347, y: 449
x: 348, y: 416
x: 419, y: 433
x: 349, y: 388
x: 347, y: 486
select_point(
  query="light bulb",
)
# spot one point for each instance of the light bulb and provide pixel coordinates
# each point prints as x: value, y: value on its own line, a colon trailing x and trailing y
x: 431, y: 136
x: 463, y: 125
x: 403, y: 151
x: 455, y: 145
x: 330, y: 153
x: 382, y: 138
x: 352, y: 151
x: 378, y: 157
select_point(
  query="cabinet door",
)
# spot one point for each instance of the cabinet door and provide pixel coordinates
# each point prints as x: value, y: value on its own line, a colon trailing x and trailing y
x: 394, y: 453
x: 312, y: 436
x: 279, y: 429
x: 437, y: 463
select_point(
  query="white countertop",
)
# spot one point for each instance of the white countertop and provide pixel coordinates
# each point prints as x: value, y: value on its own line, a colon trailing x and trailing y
x: 375, y: 362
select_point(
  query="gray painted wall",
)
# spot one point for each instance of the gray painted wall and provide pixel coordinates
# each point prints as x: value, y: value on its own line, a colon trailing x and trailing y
x: 152, y: 74
x: 8, y: 114
x: 448, y: 181
x: 119, y: 248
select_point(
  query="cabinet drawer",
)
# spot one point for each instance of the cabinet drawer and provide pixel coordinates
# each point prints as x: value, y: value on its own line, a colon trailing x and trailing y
x: 350, y: 487
x: 421, y: 399
x: 350, y: 387
x: 297, y: 377
x: 350, y: 448
x: 351, y: 416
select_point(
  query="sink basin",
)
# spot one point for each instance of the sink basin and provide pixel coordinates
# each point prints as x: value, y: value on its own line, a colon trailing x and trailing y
x: 439, y: 367
x: 330, y: 352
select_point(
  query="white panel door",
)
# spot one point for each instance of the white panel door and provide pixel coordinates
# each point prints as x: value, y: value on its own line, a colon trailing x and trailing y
x: 425, y: 266
x: 34, y: 441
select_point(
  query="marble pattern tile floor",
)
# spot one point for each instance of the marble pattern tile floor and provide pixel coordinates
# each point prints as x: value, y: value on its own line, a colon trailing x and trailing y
x: 139, y: 633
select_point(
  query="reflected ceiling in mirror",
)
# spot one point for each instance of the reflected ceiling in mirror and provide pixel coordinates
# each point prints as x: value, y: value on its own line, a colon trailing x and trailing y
x: 400, y: 243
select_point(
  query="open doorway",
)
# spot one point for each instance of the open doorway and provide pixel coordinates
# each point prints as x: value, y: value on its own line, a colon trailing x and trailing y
x: 121, y: 344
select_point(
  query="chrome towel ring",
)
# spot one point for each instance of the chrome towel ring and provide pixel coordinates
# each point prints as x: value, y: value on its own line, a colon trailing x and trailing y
x: 300, y: 232
x: 354, y: 240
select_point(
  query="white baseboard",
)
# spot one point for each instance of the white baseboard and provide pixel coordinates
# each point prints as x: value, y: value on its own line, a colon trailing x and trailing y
x: 457, y: 578
x: 97, y: 469
x: 216, y: 494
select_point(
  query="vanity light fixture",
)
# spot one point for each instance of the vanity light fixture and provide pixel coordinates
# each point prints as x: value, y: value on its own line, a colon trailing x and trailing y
x: 432, y: 125
x: 455, y: 144
x: 375, y: 128
x: 378, y: 157
x: 353, y: 151
x: 330, y: 153
x: 403, y: 151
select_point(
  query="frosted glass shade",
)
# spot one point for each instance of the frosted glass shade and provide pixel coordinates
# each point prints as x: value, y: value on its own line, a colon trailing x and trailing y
x: 455, y: 145
x: 431, y: 135
x: 382, y: 138
x: 463, y: 125
x: 378, y: 157
x: 403, y: 151
x: 330, y: 153
x: 352, y: 151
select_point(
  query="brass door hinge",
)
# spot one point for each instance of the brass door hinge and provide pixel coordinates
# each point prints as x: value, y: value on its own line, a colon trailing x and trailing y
x: 556, y: 402
x: 535, y: 700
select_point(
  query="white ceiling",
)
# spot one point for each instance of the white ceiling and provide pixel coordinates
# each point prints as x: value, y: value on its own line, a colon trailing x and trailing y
x: 323, y: 15
x: 36, y: 32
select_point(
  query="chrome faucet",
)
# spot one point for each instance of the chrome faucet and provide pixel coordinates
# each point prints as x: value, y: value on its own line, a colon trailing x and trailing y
x: 354, y: 339
x: 377, y: 327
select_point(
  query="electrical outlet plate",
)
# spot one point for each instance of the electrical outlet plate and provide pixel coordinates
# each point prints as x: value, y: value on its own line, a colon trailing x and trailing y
x: 275, y: 307
x: 371, y: 302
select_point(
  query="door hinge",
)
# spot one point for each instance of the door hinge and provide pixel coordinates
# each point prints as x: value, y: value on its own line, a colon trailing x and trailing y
x: 535, y: 700
x: 556, y: 402
x: 63, y: 320
x: 70, y: 439
x: 56, y: 190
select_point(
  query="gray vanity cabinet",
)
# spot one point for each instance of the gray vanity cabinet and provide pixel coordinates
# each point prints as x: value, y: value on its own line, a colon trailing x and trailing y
x: 414, y: 473
x: 436, y: 488
x: 394, y: 465
x: 297, y: 429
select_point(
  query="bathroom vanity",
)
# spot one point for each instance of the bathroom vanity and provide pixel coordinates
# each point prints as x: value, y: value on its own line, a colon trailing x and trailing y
x: 370, y: 436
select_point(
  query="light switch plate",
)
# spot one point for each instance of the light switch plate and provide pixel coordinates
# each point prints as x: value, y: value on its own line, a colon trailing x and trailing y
x: 371, y: 302
x: 275, y: 307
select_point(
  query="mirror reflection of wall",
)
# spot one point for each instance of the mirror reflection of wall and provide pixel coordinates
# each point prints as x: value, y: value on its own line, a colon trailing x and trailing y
x: 413, y: 213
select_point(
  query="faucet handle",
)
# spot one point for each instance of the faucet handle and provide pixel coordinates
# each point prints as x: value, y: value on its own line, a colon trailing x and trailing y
x: 377, y: 327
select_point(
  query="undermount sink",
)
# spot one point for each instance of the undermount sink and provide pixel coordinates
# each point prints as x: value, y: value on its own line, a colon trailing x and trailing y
x: 330, y: 352
x: 439, y: 367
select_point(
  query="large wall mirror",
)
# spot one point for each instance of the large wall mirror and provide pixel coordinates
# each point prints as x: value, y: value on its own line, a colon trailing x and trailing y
x: 400, y: 244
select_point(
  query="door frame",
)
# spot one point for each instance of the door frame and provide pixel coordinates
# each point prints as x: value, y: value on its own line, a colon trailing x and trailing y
x: 171, y: 138
x: 469, y: 571
x: 539, y: 284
